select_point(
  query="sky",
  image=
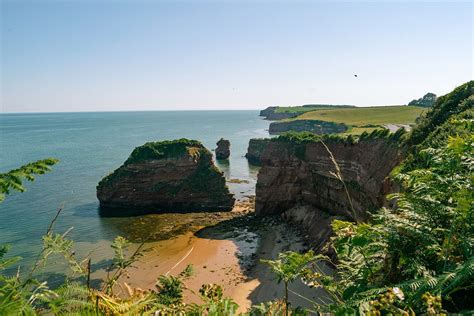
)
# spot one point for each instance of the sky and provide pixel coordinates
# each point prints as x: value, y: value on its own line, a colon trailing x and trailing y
x: 190, y: 55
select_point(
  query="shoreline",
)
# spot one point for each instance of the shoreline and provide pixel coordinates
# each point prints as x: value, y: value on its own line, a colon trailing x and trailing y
x: 227, y: 253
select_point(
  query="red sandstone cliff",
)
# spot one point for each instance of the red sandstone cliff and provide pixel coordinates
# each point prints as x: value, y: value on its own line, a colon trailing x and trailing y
x: 296, y: 181
x: 176, y: 176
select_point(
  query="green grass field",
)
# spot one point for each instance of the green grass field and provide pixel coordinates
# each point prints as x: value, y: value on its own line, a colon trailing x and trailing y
x: 358, y: 118
x: 303, y: 109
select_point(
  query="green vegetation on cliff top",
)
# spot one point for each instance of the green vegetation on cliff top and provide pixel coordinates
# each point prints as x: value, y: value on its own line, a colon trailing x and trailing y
x: 308, y: 108
x: 377, y: 115
x: 358, y: 119
x: 162, y: 150
x: 298, y: 138
x: 458, y: 101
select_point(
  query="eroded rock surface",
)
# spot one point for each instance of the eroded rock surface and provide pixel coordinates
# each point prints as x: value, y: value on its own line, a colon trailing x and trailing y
x: 255, y: 149
x: 169, y: 176
x: 296, y: 181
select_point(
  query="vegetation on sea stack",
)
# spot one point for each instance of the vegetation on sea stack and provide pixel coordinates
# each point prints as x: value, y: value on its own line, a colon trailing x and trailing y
x: 162, y: 150
x: 166, y: 176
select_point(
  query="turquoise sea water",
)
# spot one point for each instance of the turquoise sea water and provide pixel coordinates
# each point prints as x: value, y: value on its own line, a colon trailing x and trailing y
x: 89, y: 146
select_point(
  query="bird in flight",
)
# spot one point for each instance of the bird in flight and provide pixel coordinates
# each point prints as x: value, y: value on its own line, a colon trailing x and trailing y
x: 355, y: 76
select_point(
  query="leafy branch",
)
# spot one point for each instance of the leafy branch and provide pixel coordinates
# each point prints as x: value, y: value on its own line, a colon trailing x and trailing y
x: 13, y: 180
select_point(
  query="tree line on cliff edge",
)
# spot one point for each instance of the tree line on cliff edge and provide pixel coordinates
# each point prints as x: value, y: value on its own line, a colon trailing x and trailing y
x: 415, y: 258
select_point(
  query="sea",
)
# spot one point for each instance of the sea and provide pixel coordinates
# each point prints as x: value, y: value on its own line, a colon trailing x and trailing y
x: 89, y: 146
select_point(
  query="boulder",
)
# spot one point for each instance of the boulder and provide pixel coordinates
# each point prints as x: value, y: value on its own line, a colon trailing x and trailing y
x: 167, y: 176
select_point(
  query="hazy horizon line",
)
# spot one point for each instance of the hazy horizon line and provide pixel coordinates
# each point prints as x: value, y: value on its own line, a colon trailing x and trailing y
x: 195, y: 110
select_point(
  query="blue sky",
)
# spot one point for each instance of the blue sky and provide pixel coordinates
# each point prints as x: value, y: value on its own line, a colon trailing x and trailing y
x: 164, y: 55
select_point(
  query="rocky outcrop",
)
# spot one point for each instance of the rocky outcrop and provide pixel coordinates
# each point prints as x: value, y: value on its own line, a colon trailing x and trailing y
x: 168, y: 176
x: 267, y: 111
x: 297, y: 181
x: 271, y: 114
x: 255, y: 149
x: 428, y: 100
x: 223, y: 149
x: 312, y: 126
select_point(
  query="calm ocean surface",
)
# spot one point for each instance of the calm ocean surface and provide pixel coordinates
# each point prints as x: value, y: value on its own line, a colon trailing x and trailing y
x: 89, y: 146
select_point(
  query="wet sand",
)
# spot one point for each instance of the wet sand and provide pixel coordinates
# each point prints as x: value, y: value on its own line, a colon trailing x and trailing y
x: 227, y: 253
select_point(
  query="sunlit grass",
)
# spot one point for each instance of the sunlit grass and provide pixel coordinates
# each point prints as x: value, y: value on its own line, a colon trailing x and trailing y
x: 358, y: 117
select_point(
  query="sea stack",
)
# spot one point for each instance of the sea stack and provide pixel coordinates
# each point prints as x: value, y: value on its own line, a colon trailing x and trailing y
x: 223, y: 149
x: 167, y: 176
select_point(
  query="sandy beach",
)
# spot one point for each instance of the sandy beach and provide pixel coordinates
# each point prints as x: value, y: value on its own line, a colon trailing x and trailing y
x: 227, y: 253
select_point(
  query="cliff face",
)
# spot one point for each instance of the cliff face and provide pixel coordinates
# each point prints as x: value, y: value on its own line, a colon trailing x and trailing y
x: 175, y: 176
x: 312, y: 126
x: 256, y: 149
x: 270, y: 114
x: 296, y: 181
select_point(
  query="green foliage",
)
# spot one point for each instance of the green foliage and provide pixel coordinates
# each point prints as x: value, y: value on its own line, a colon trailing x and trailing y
x: 275, y: 308
x: 214, y: 302
x: 58, y: 244
x: 290, y: 266
x: 170, y: 288
x: 13, y: 180
x: 445, y: 108
x: 308, y: 108
x: 19, y: 295
x: 427, y: 100
x: 120, y: 262
x: 211, y: 292
x: 162, y: 150
x: 4, y: 263
x: 363, y: 116
x: 425, y: 245
x: 69, y: 298
x: 301, y: 138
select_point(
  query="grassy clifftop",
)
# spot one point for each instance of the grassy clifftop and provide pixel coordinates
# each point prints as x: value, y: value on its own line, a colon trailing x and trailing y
x: 364, y: 116
x: 162, y: 150
x: 357, y: 119
x: 308, y: 108
x: 366, y: 119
